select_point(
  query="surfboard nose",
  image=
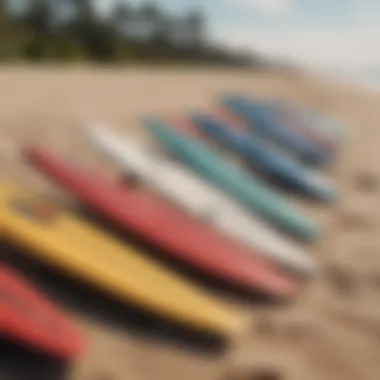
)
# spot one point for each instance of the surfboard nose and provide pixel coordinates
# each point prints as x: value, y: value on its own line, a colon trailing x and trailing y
x: 31, y: 319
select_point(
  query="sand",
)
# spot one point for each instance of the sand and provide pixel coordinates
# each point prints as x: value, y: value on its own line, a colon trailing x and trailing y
x: 333, y: 330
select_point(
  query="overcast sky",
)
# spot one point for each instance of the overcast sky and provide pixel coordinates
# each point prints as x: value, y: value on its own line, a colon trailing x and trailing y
x: 315, y: 32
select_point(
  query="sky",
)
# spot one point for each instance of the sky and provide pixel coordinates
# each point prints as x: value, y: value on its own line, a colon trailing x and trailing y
x: 317, y: 33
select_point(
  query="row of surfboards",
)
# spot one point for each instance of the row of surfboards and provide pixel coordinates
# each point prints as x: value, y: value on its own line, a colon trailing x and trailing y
x: 191, y: 203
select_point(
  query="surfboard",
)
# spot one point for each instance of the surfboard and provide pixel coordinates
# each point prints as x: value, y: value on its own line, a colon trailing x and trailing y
x: 326, y: 126
x: 28, y: 318
x: 196, y: 197
x: 234, y: 121
x: 297, y: 122
x: 64, y: 241
x: 265, y: 158
x: 166, y: 227
x: 319, y: 128
x: 264, y: 123
x: 251, y: 192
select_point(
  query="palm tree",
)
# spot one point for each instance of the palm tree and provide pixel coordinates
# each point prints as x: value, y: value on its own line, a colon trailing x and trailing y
x: 149, y: 18
x: 39, y: 16
x: 121, y: 17
x: 85, y: 10
x: 194, y: 27
x: 4, y: 16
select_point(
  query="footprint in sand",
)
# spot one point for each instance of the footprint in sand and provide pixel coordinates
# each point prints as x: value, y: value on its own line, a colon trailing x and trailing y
x: 367, y: 182
x: 342, y: 281
x: 374, y: 280
x: 260, y: 373
x: 356, y: 220
x: 293, y: 329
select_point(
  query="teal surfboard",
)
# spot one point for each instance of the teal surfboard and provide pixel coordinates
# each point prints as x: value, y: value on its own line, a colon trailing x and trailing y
x: 248, y: 190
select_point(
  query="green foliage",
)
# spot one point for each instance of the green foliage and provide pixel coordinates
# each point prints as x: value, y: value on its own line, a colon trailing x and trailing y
x: 71, y: 30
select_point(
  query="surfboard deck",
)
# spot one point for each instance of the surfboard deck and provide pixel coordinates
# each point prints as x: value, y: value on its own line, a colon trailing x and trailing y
x: 250, y: 192
x: 181, y: 237
x: 301, y: 126
x: 64, y: 241
x: 274, y: 163
x: 263, y: 122
x: 233, y: 120
x: 30, y: 319
x: 325, y: 126
x: 318, y: 128
x: 197, y: 197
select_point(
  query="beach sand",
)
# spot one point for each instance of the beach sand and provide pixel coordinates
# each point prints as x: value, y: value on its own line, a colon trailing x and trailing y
x: 333, y: 330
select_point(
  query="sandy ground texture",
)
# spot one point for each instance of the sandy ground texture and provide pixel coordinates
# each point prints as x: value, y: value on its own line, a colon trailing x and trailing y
x: 333, y: 330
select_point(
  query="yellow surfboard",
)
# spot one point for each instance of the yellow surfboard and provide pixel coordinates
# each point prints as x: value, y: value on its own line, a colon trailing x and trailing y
x: 64, y: 240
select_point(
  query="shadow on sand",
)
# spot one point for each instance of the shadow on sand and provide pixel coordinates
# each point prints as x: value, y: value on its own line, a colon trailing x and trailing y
x: 18, y: 363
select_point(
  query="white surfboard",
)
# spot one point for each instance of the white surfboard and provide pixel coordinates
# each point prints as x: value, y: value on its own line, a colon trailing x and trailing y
x: 198, y: 198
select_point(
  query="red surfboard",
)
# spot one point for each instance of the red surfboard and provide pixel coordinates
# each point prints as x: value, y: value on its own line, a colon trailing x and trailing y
x: 30, y: 319
x: 180, y: 236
